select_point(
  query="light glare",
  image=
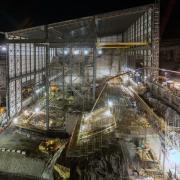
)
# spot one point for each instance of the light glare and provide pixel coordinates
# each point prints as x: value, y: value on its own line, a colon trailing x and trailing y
x: 26, y: 113
x: 15, y: 120
x: 174, y: 156
x: 65, y: 52
x: 110, y: 103
x: 86, y: 52
x: 76, y: 52
x: 37, y: 110
x: 3, y: 48
x: 99, y: 51
x: 108, y: 113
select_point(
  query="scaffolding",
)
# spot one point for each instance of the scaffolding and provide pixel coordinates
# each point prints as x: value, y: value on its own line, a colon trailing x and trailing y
x: 69, y: 54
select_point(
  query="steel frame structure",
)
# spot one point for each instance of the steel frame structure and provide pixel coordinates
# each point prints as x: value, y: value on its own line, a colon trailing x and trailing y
x: 31, y: 51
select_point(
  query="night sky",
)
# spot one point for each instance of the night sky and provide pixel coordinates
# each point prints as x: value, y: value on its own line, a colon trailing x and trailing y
x: 27, y: 13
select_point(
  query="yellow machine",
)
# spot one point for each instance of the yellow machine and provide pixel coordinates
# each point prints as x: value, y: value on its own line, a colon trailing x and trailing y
x: 54, y: 88
x: 63, y: 171
x: 50, y: 145
x: 2, y: 109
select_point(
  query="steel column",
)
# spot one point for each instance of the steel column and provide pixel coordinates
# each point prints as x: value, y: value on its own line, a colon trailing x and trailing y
x: 47, y: 80
x: 7, y: 84
x: 94, y: 73
x: 70, y: 62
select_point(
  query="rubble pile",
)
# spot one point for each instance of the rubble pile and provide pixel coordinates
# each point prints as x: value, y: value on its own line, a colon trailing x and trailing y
x: 169, y: 114
x: 106, y: 164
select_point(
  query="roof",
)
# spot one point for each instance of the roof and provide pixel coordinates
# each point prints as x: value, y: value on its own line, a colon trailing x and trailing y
x: 84, y: 29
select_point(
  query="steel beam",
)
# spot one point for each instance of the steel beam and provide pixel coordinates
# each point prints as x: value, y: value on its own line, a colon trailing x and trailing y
x: 59, y: 43
x: 27, y: 74
x: 120, y: 44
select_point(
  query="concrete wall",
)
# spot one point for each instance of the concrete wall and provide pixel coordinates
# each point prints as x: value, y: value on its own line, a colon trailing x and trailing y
x: 108, y: 63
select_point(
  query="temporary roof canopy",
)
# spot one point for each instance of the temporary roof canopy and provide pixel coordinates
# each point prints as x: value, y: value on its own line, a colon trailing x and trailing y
x: 83, y: 29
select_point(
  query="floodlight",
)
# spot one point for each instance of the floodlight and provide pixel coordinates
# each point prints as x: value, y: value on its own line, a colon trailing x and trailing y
x: 110, y: 103
x: 37, y: 110
x: 76, y: 52
x: 3, y: 48
x: 108, y: 113
x: 15, y: 120
x: 65, y: 52
x: 99, y: 51
x: 86, y: 52
x: 26, y: 113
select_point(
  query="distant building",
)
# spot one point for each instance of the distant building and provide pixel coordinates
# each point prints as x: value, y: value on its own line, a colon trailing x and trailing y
x: 170, y: 54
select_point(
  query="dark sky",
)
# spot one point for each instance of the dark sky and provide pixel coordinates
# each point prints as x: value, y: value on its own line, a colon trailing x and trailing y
x: 16, y: 14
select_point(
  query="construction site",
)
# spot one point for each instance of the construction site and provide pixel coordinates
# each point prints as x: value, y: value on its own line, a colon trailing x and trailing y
x: 86, y: 99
